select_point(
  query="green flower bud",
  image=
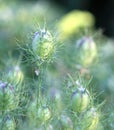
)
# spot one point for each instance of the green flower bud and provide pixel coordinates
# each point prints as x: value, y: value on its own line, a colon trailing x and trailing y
x: 15, y: 75
x: 91, y: 120
x: 9, y: 98
x: 44, y: 113
x: 42, y: 44
x: 80, y: 99
x: 87, y: 50
x: 37, y: 114
x: 66, y: 122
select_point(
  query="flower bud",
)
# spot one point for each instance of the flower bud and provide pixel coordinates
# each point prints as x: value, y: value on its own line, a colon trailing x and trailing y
x: 44, y: 113
x: 87, y: 50
x: 42, y: 44
x: 66, y: 122
x: 15, y: 75
x: 18, y: 74
x: 80, y: 99
x: 37, y: 114
x: 91, y: 119
x: 9, y: 98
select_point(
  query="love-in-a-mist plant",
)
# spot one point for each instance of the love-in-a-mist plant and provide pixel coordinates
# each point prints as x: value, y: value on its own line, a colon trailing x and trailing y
x: 38, y: 96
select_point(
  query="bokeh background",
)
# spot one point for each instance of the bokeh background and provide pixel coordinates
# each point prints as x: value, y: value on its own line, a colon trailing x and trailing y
x: 102, y: 10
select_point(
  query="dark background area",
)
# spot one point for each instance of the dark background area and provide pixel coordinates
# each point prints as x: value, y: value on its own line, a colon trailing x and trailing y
x: 103, y: 10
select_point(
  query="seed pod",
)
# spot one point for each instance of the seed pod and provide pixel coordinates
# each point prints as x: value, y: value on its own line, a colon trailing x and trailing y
x: 66, y: 122
x: 42, y: 44
x: 91, y: 119
x: 87, y: 50
x: 80, y: 99
x: 9, y: 98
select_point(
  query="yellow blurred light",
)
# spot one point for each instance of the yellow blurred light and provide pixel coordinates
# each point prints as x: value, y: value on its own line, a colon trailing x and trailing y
x: 73, y: 21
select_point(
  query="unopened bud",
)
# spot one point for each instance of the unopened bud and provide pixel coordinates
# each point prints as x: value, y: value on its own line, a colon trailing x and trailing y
x: 87, y: 50
x: 80, y: 99
x: 42, y: 44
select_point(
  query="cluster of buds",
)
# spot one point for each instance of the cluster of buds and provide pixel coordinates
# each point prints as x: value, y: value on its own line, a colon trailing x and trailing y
x: 81, y: 105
